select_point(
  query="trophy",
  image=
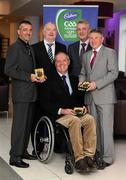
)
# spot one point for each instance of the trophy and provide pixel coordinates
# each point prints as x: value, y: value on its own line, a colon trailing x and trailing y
x: 83, y: 86
x: 80, y: 111
x: 39, y: 73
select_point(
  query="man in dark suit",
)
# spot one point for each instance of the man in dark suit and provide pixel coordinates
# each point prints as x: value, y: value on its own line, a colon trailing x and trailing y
x: 20, y: 64
x: 77, y: 49
x: 44, y: 59
x: 58, y: 102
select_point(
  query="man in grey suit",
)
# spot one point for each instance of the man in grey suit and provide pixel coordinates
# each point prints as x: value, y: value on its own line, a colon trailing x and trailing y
x: 77, y: 49
x: 100, y: 68
x: 20, y: 64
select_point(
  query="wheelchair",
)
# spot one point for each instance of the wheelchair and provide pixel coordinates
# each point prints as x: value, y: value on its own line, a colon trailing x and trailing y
x: 44, y: 141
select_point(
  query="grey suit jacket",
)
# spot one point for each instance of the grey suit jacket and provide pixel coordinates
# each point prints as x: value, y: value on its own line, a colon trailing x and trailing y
x: 103, y: 73
x: 19, y: 66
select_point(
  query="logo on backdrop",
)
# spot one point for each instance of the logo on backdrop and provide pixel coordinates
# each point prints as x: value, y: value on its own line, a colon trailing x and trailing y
x: 66, y: 21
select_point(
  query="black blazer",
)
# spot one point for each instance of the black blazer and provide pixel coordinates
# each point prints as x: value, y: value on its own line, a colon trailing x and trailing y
x: 42, y: 58
x: 75, y: 61
x: 54, y: 96
x: 19, y: 66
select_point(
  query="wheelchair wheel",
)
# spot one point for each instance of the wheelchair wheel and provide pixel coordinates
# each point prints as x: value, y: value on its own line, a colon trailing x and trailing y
x: 69, y: 169
x: 44, y: 139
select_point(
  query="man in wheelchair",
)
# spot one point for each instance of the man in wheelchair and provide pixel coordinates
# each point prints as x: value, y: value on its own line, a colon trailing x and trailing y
x: 59, y: 99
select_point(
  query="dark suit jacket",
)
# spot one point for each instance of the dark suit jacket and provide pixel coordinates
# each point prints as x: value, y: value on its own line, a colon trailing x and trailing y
x: 19, y: 66
x: 76, y: 62
x: 54, y: 96
x: 42, y: 58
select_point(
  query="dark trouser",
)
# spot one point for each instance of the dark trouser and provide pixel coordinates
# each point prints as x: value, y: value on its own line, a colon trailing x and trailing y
x: 37, y: 116
x: 21, y: 128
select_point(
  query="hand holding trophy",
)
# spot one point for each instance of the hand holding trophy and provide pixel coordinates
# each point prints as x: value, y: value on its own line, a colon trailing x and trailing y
x: 80, y: 111
x: 39, y: 72
x: 83, y: 86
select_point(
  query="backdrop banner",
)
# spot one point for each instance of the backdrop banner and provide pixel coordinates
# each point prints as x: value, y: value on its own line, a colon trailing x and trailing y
x: 66, y: 17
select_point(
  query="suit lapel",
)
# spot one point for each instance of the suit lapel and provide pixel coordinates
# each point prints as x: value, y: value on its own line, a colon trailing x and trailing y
x: 88, y: 59
x: 99, y: 54
x: 77, y: 50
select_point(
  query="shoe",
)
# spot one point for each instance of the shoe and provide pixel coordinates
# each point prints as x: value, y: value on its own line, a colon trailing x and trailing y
x: 19, y: 163
x: 81, y: 166
x: 90, y: 162
x: 29, y: 156
x: 108, y: 164
x: 33, y: 153
x: 102, y: 165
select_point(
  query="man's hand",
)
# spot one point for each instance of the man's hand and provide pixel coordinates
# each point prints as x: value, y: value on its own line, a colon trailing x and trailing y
x: 35, y: 79
x: 91, y: 86
x: 67, y: 112
x: 79, y: 83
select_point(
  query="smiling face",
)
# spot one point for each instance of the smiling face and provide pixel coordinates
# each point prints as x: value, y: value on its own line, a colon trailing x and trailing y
x: 96, y: 39
x: 83, y: 30
x: 50, y: 32
x: 25, y: 32
x: 62, y: 62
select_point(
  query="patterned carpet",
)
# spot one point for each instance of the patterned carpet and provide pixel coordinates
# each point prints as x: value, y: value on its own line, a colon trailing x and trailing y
x: 6, y: 172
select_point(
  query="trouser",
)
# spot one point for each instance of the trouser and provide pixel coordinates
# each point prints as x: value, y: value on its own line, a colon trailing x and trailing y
x: 104, y: 123
x: 21, y: 128
x: 83, y: 143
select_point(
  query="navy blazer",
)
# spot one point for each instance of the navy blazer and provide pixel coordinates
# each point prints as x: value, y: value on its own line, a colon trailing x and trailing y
x: 75, y: 61
x: 54, y: 96
x: 42, y: 58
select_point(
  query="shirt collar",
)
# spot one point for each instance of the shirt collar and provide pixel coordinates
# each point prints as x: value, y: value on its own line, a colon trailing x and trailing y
x: 45, y: 42
x: 98, y: 48
x: 23, y: 42
x: 86, y: 42
x: 66, y: 74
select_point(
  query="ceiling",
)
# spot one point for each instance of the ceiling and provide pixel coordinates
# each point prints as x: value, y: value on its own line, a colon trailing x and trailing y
x: 34, y: 7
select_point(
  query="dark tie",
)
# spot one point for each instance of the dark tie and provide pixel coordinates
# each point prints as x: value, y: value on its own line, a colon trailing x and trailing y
x: 82, y: 49
x: 50, y: 52
x: 28, y: 48
x: 93, y: 59
x: 65, y: 84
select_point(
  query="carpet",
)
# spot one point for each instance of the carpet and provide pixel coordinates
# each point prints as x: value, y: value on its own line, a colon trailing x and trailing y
x: 6, y: 172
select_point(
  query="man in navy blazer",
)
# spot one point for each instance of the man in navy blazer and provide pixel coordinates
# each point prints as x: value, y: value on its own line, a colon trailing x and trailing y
x: 43, y: 60
x: 41, y: 49
x: 58, y: 104
x: 75, y: 50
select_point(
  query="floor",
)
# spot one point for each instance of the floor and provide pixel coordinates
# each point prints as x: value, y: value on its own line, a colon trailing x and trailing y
x: 55, y: 169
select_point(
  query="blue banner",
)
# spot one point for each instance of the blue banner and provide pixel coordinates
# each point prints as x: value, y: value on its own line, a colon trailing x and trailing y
x: 66, y: 17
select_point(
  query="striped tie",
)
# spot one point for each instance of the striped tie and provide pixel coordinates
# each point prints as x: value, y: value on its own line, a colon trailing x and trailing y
x: 50, y: 52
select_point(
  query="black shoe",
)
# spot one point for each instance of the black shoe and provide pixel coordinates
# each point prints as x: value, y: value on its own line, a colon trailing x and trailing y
x: 102, y: 165
x: 19, y: 163
x: 29, y: 156
x: 81, y: 166
x: 90, y: 162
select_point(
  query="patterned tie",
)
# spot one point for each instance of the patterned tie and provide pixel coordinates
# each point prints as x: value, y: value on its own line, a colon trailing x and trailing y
x: 93, y: 58
x: 50, y: 52
x: 28, y: 49
x: 65, y: 84
x: 82, y: 49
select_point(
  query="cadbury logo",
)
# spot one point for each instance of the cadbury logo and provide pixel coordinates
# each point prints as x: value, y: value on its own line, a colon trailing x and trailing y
x: 70, y: 15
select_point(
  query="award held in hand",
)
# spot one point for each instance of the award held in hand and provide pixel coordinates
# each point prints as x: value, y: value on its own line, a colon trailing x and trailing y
x: 84, y: 86
x: 39, y: 73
